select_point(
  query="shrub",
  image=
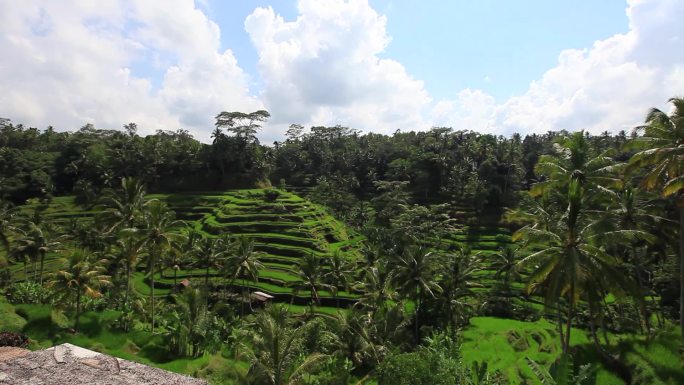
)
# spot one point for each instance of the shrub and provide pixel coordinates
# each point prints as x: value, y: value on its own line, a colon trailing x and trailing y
x: 18, y: 340
x: 271, y: 195
x: 27, y: 292
x: 418, y: 368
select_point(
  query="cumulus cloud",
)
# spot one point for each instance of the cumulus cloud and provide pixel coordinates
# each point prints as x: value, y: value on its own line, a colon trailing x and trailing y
x: 609, y: 86
x: 323, y: 68
x: 69, y: 64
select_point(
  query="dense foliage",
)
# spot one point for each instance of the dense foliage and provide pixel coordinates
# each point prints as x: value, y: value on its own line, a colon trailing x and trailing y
x: 443, y: 233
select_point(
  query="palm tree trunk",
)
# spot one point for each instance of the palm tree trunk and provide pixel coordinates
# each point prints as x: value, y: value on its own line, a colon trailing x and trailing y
x: 78, y: 310
x: 152, y: 284
x: 42, y: 262
x: 571, y: 310
x: 681, y: 269
x: 128, y: 284
x: 560, y: 322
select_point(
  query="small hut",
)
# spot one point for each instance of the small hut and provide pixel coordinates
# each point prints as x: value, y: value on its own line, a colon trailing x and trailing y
x: 260, y: 298
x: 182, y: 285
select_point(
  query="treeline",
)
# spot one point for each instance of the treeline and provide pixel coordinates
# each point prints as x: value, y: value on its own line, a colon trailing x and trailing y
x: 341, y: 165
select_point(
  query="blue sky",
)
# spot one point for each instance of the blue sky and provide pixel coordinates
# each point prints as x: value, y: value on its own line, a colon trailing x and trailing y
x: 496, y: 46
x: 376, y: 65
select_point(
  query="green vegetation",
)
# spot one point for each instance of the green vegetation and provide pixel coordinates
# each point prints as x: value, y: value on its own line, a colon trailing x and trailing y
x: 437, y: 257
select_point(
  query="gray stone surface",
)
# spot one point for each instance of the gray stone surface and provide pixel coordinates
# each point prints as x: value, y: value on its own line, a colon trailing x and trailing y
x: 69, y: 364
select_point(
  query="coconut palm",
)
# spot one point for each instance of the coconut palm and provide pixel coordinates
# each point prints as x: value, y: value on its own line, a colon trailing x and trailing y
x: 123, y: 207
x: 79, y: 275
x: 35, y: 243
x: 274, y: 352
x: 244, y: 263
x: 130, y: 247
x: 377, y: 287
x: 570, y: 260
x: 311, y: 274
x: 661, y: 152
x: 506, y: 265
x: 458, y: 282
x: 160, y: 236
x: 414, y: 277
x: 337, y: 272
x: 208, y: 253
x: 7, y: 225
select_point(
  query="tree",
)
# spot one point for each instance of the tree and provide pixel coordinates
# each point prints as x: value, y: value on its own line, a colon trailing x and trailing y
x: 458, y: 282
x: 129, y: 248
x: 414, y: 277
x: 569, y: 259
x: 122, y: 208
x: 160, y: 236
x: 506, y: 266
x: 274, y: 354
x: 243, y: 125
x: 337, y: 273
x: 311, y: 274
x: 7, y: 225
x: 662, y: 153
x: 79, y: 276
x: 35, y: 243
x: 209, y: 252
x: 245, y: 264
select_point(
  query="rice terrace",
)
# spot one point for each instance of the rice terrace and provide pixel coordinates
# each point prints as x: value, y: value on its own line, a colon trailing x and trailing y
x: 342, y: 192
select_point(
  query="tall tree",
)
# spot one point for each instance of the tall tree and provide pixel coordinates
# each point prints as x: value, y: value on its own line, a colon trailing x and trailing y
x: 36, y: 242
x: 275, y: 355
x: 160, y: 235
x: 662, y: 154
x: 79, y: 276
x: 123, y: 207
x: 414, y: 277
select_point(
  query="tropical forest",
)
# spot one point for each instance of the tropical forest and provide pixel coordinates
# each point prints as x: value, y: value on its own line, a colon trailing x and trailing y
x: 336, y: 256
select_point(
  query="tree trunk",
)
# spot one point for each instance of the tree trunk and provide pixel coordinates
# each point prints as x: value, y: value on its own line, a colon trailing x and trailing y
x: 152, y: 284
x: 681, y: 268
x: 78, y: 310
x: 42, y: 263
x: 560, y: 323
x: 128, y: 285
x: 568, y: 327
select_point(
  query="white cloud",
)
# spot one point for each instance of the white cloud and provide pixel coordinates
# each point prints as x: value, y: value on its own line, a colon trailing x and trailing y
x: 68, y: 64
x: 323, y: 68
x: 609, y: 86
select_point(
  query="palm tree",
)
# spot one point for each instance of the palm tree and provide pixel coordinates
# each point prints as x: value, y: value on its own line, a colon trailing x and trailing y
x: 160, y: 235
x: 209, y: 252
x: 35, y: 243
x: 274, y: 352
x: 506, y: 266
x: 311, y: 274
x: 458, y: 284
x: 414, y: 277
x: 129, y: 248
x: 569, y: 259
x: 245, y: 264
x: 337, y: 273
x: 79, y: 276
x: 7, y: 225
x: 377, y: 289
x: 662, y: 153
x: 122, y: 208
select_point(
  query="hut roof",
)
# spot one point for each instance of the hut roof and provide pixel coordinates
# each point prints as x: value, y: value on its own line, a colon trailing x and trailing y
x: 70, y: 364
x: 261, y: 296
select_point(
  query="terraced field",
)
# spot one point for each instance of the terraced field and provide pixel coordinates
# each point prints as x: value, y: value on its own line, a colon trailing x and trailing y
x: 284, y: 229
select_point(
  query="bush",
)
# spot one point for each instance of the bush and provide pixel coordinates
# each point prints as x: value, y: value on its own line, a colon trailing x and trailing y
x: 271, y: 195
x: 418, y: 368
x: 18, y: 340
x: 27, y: 292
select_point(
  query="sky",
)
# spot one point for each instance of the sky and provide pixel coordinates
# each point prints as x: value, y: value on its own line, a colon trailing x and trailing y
x: 526, y: 66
